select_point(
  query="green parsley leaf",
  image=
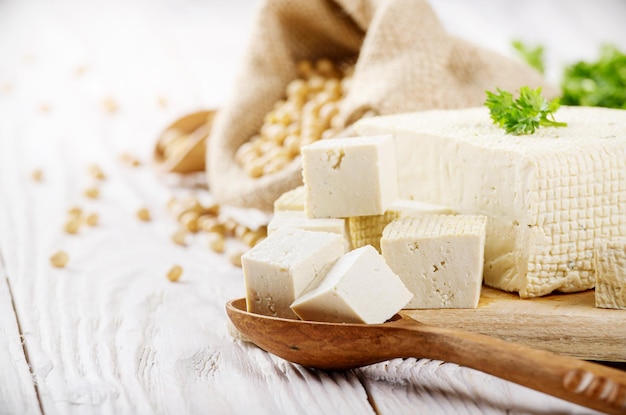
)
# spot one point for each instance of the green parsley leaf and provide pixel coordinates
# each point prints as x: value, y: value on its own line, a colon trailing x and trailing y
x: 533, y: 56
x: 524, y: 114
x: 597, y: 84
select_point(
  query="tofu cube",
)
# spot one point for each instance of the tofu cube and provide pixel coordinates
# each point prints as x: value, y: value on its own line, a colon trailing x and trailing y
x: 346, y: 177
x: 278, y: 269
x: 610, y: 265
x: 359, y: 288
x: 439, y: 258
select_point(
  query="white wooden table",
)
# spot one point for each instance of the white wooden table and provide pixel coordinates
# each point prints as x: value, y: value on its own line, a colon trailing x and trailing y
x: 109, y: 333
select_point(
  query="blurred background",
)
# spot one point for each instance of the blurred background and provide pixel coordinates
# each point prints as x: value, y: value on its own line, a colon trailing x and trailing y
x: 181, y: 55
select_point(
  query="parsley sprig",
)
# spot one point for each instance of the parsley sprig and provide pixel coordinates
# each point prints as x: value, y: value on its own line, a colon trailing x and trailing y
x: 595, y: 83
x: 600, y: 83
x: 524, y: 114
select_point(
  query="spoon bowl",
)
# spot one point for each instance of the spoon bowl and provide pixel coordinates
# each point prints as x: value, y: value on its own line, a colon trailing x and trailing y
x: 326, y: 346
x: 194, y: 130
x: 338, y: 346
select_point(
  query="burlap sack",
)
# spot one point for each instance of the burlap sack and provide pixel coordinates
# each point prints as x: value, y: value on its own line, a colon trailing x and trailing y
x: 406, y: 62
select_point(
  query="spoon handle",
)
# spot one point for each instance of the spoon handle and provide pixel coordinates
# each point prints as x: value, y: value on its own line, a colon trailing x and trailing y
x: 588, y: 384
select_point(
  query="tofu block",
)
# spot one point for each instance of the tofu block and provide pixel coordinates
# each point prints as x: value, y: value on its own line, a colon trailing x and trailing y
x: 367, y: 230
x: 610, y: 264
x: 548, y: 196
x: 359, y: 288
x: 278, y: 269
x: 293, y: 199
x: 438, y: 257
x: 298, y: 219
x: 346, y: 177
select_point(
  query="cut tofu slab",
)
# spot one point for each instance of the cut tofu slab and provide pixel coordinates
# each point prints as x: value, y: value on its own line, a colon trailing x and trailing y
x: 353, y: 176
x: 610, y: 264
x: 278, y: 269
x: 359, y: 288
x: 548, y: 196
x: 438, y: 257
x: 298, y: 219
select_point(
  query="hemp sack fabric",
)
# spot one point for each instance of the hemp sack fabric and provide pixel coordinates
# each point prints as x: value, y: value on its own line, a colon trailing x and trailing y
x: 406, y: 61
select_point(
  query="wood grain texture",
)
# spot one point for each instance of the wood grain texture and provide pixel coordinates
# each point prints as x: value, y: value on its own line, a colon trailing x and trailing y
x: 110, y: 334
x: 569, y: 324
x: 17, y: 391
x: 399, y: 387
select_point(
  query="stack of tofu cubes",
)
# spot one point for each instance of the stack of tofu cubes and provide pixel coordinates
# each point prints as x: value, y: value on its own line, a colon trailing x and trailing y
x: 344, y: 248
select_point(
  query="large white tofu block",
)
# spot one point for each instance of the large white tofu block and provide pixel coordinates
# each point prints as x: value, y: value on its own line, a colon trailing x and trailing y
x: 298, y: 219
x: 278, y: 270
x: 439, y: 258
x: 359, y: 288
x: 610, y: 263
x: 549, y: 196
x: 346, y: 177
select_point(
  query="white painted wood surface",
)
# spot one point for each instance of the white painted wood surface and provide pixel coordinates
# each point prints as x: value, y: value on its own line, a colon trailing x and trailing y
x: 109, y: 334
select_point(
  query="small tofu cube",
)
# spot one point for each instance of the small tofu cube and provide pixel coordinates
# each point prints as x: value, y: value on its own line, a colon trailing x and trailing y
x: 349, y: 176
x: 298, y: 219
x: 359, y: 288
x: 439, y: 258
x: 610, y: 266
x: 278, y: 269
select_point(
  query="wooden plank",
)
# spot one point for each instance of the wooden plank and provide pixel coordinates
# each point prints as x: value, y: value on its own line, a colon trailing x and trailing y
x: 17, y: 390
x: 567, y: 324
x: 109, y: 333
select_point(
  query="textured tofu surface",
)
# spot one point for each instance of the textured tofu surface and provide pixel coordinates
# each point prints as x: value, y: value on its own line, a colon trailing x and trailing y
x: 548, y: 196
x: 359, y: 288
x: 353, y: 176
x: 280, y: 268
x: 610, y: 262
x: 439, y: 258
x: 293, y: 199
x: 367, y: 230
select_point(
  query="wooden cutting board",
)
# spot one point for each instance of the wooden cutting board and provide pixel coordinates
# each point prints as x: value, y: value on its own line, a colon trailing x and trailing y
x: 568, y: 324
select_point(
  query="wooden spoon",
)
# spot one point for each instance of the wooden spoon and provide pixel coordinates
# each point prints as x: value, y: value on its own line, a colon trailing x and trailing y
x: 333, y: 346
x: 194, y: 128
